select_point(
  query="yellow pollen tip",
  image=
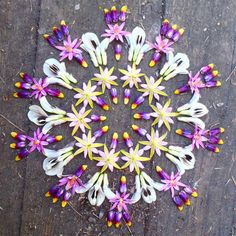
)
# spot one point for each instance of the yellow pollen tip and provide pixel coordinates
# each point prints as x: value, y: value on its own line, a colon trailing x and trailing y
x: 84, y: 167
x: 105, y: 128
x: 117, y: 56
x: 63, y: 22
x: 179, y: 131
x: 166, y: 21
x: 180, y: 208
x: 177, y: 92
x: 194, y: 194
x: 125, y: 135
x: 126, y: 101
x: 117, y: 225
x: 221, y: 141
x: 63, y: 203
x: 152, y: 63
x: 45, y: 36
x: 102, y: 118
x: 134, y: 127
x: 13, y: 134
x: 113, y: 8
x: 17, y: 158
x: 218, y: 83
x: 124, y: 9
x: 61, y: 95
x: 217, y: 150
x: 84, y: 64
x: 59, y: 137
x: 47, y: 194
x: 215, y: 72
x: 54, y: 200
x: 105, y: 107
x: 109, y: 223
x: 123, y: 179
x: 13, y: 145
x: 22, y: 74
x: 158, y: 169
x: 136, y: 116
x: 133, y: 106
x: 15, y: 95
x: 181, y: 31
x: 54, y: 28
x: 106, y: 10
x: 129, y: 223
x: 115, y: 136
x: 17, y: 84
x: 222, y: 130
x: 115, y: 100
x: 211, y: 65
x: 188, y: 203
x: 174, y: 27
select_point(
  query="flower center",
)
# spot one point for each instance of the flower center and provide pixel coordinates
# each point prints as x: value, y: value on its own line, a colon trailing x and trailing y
x: 69, y: 49
x: 116, y: 29
x: 36, y: 142
x: 39, y: 87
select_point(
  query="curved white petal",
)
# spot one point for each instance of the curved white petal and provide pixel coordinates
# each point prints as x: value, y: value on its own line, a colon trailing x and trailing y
x: 55, y: 65
x: 49, y: 125
x: 49, y: 108
x: 195, y: 121
x: 107, y: 191
x: 52, y: 167
x: 137, y: 194
x: 37, y: 115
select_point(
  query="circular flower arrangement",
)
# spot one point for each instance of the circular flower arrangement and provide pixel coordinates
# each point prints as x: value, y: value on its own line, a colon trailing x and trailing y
x: 87, y: 143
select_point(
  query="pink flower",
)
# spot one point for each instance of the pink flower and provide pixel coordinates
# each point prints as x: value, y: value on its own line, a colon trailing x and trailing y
x: 162, y: 45
x: 70, y: 49
x: 195, y: 82
x: 39, y: 88
x: 199, y: 137
x: 115, y: 32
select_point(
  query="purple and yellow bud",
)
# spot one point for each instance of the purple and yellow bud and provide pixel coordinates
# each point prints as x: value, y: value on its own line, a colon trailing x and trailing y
x: 53, y: 139
x: 164, y: 27
x: 127, y: 140
x: 117, y: 49
x: 57, y: 33
x: 155, y: 58
x: 127, y: 218
x: 26, y: 77
x: 216, y: 131
x: 215, y: 140
x: 177, y: 34
x: 184, y: 196
x: 22, y: 85
x: 123, y: 186
x: 20, y: 137
x: 213, y: 84
x: 65, y: 198
x: 212, y: 148
x: 114, y: 95
x: 107, y: 16
x: 79, y: 58
x: 142, y: 116
x: 206, y: 69
x: 170, y: 32
x: 50, y: 40
x: 97, y: 118
x: 127, y: 94
x: 184, y: 132
x: 17, y: 145
x: 182, y: 89
x: 22, y: 94
x: 101, y: 102
x: 23, y: 153
x: 161, y: 173
x: 64, y: 28
x: 54, y: 92
x: 110, y: 218
x: 178, y: 202
x: 191, y: 191
x: 123, y: 11
x: 211, y: 75
x: 139, y: 100
x: 114, y: 142
x: 118, y: 217
x: 81, y: 170
x: 138, y: 130
x: 114, y: 14
x: 101, y: 132
x: 52, y: 191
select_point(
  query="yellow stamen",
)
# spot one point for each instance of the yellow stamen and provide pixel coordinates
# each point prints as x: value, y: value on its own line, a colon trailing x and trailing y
x: 84, y: 167
x: 17, y: 84
x: 115, y: 136
x: 181, y: 31
x: 137, y: 116
x: 45, y: 36
x: 180, y: 208
x: 158, y: 169
x: 126, y: 135
x: 109, y: 223
x: 113, y: 8
x: 123, y: 179
x: 222, y: 130
x: 134, y: 127
x: 17, y: 158
x: 47, y: 194
x: 15, y: 95
x: 105, y: 107
x: 188, y: 203
x: 174, y: 27
x: 217, y: 150
x: 22, y: 74
x: 63, y: 22
x: 177, y: 92
x: 13, y: 145
x: 115, y: 100
x: 117, y: 56
x: 13, y: 134
x: 58, y: 138
x: 54, y: 200
x: 215, y: 73
x: 211, y: 65
x: 63, y: 203
x: 105, y: 128
x: 221, y: 141
x: 126, y: 101
x: 124, y: 9
x: 133, y: 106
x: 152, y: 63
x: 84, y: 64
x: 179, y: 131
x: 194, y: 194
x: 54, y: 28
x: 61, y: 95
x: 166, y: 21
x: 102, y: 118
x: 106, y: 10
x: 218, y: 83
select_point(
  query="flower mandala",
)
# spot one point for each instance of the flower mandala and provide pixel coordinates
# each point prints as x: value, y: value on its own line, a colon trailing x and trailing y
x: 85, y: 141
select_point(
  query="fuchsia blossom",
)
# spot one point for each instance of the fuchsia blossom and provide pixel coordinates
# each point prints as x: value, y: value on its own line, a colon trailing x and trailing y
x: 119, y: 207
x: 162, y: 45
x: 72, y: 184
x: 28, y: 144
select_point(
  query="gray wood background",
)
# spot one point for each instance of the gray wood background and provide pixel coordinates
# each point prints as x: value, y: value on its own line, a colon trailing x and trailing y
x: 210, y: 36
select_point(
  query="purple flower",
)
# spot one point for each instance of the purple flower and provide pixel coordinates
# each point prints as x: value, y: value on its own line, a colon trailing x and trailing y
x: 70, y: 48
x: 162, y: 45
x: 115, y: 32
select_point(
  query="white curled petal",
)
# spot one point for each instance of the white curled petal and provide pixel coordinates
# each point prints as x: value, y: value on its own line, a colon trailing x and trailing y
x: 137, y: 194
x: 92, y: 196
x: 49, y: 108
x: 52, y: 166
x: 37, y: 115
x: 107, y: 191
x: 48, y: 126
x: 54, y: 117
x: 52, y: 62
x: 195, y: 121
x: 100, y: 197
x: 53, y: 80
x: 59, y: 152
x: 67, y: 77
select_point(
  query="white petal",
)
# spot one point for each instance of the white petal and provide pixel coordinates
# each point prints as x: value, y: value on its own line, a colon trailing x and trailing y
x: 50, y: 62
x: 52, y: 167
x: 100, y: 197
x: 107, y: 191
x: 37, y: 115
x: 48, y: 126
x: 49, y: 108
x: 137, y: 194
x: 195, y: 121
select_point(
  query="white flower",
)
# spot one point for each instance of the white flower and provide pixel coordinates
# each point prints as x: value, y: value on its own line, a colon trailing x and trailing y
x: 177, y: 64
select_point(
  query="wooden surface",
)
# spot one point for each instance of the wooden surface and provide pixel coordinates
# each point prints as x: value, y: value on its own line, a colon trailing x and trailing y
x: 210, y: 37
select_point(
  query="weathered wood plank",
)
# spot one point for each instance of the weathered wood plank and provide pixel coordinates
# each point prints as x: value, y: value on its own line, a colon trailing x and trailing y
x: 17, y: 53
